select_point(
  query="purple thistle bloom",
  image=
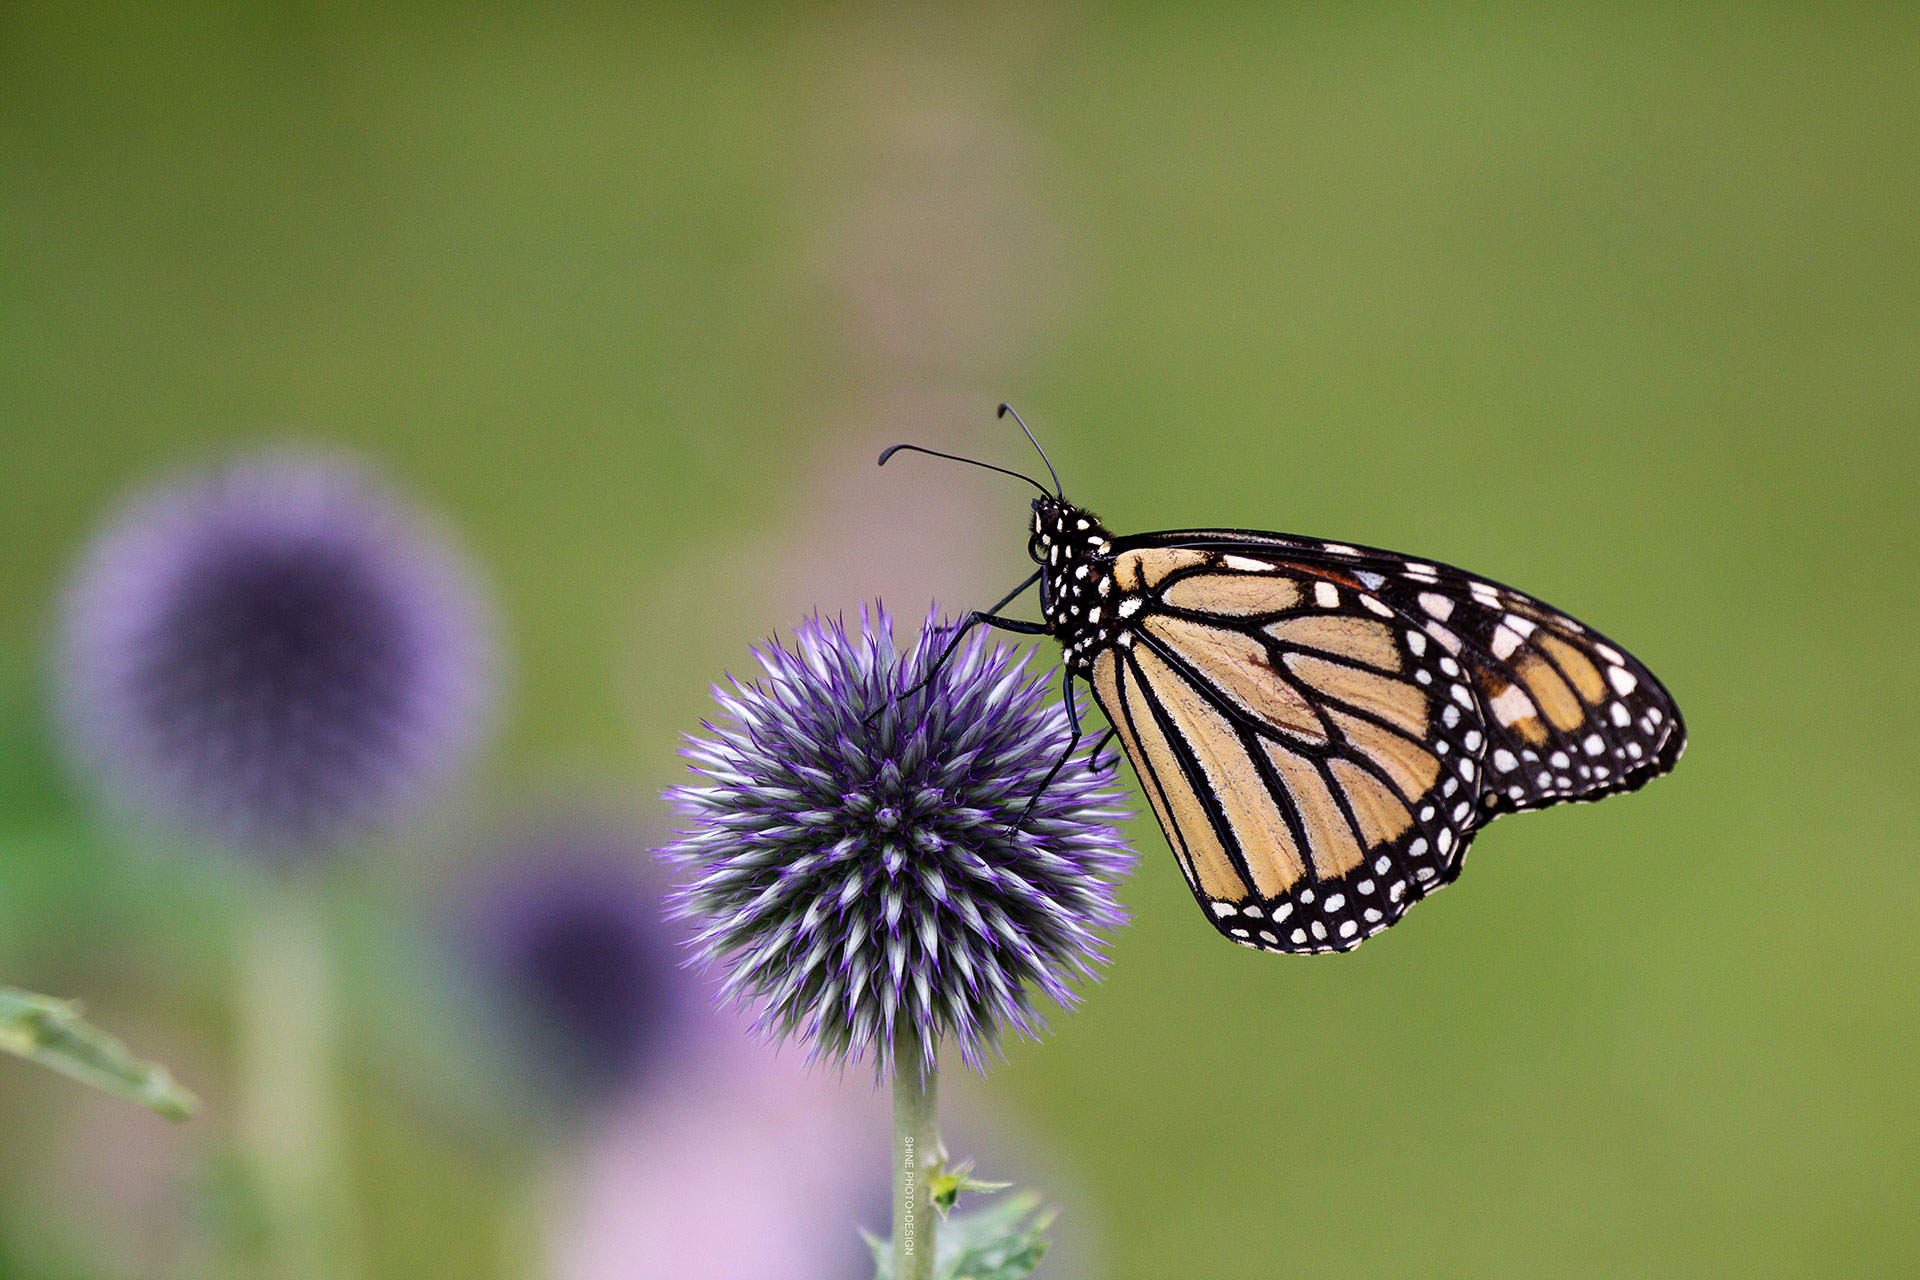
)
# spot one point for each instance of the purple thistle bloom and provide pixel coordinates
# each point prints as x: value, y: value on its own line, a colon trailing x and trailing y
x: 564, y: 926
x: 273, y: 654
x: 853, y: 873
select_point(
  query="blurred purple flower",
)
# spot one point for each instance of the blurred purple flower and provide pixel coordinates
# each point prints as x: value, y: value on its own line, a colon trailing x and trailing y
x: 274, y: 654
x: 853, y: 873
x: 565, y: 930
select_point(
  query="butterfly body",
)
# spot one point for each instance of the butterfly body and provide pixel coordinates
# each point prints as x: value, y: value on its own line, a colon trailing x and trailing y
x: 1078, y: 598
x: 1321, y: 728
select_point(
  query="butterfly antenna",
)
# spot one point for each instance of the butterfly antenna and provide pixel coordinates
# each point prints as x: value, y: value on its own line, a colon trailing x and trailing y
x: 890, y: 450
x: 1006, y: 409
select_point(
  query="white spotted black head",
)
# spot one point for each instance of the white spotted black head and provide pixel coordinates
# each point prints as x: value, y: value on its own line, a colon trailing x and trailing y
x: 1075, y: 555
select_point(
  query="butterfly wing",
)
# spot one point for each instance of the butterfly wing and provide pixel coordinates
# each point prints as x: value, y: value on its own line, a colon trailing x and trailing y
x: 1321, y: 728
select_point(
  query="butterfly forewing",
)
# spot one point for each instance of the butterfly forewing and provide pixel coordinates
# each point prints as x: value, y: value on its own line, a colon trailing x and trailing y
x: 1570, y: 715
x: 1320, y: 728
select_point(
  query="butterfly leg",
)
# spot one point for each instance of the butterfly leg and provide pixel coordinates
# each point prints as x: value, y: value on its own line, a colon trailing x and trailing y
x: 1099, y: 745
x: 990, y: 616
x: 1073, y: 740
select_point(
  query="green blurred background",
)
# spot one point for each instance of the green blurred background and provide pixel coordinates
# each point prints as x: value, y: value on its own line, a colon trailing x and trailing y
x: 1620, y: 304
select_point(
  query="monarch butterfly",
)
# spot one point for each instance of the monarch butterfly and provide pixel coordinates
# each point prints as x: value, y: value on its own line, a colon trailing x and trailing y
x: 1321, y: 728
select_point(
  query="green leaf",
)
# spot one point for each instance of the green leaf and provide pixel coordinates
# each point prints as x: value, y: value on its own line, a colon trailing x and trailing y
x: 945, y: 1186
x: 1003, y: 1241
x: 52, y: 1033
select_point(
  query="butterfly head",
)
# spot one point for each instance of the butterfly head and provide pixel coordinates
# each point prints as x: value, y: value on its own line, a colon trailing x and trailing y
x: 1074, y: 553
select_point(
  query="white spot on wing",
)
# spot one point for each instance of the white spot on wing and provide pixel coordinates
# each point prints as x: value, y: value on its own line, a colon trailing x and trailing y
x: 1510, y: 706
x: 1622, y: 680
x: 1326, y: 595
x: 1436, y: 604
x: 1246, y: 565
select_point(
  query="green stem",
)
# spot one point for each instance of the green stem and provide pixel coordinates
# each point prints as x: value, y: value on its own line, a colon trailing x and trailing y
x: 916, y: 1156
x: 289, y: 1120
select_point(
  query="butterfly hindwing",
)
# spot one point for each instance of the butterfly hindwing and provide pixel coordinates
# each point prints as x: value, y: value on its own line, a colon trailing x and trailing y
x: 1321, y: 728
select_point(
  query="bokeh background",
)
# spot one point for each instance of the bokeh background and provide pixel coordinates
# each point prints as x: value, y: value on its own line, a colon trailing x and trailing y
x: 1619, y: 303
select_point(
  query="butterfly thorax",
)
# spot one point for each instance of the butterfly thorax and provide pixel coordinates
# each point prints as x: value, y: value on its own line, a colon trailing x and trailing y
x: 1077, y: 593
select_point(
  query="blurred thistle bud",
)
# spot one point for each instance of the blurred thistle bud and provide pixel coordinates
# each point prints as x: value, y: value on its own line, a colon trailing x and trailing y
x: 274, y: 654
x: 861, y: 854
x: 563, y: 931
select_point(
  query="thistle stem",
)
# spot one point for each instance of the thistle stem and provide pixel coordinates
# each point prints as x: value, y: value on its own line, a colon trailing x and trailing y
x: 916, y: 1155
x: 289, y: 1121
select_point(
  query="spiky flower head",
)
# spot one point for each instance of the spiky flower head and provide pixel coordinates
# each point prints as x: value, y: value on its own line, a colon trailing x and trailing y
x: 562, y: 926
x: 274, y: 654
x: 860, y: 853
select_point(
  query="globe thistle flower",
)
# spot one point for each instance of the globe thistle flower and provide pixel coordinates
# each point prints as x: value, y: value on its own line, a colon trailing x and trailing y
x: 273, y: 654
x: 564, y: 929
x: 857, y: 857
